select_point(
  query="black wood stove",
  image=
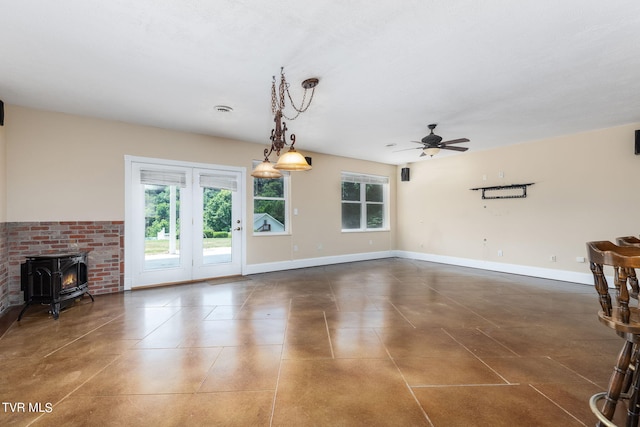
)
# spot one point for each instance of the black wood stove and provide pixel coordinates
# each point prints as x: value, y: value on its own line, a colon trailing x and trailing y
x: 55, y: 279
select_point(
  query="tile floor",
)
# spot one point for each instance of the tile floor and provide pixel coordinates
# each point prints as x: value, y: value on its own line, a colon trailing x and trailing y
x: 378, y: 343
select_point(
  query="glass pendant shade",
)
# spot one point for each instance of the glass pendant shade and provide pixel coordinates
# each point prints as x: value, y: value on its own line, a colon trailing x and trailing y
x: 292, y: 161
x: 266, y: 170
x: 431, y: 151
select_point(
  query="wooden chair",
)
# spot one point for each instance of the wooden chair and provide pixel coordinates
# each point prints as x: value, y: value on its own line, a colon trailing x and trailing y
x: 631, y: 272
x: 625, y: 321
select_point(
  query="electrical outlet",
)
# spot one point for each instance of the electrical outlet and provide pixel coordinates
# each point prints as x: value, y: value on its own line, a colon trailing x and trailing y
x: 553, y: 258
x: 499, y: 252
x: 580, y: 259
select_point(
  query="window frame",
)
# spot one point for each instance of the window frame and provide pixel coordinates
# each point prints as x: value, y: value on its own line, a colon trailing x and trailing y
x: 363, y: 180
x: 285, y: 197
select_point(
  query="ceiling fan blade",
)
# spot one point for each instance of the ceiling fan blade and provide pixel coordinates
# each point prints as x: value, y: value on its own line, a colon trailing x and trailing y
x: 455, y: 141
x: 405, y: 149
x: 445, y: 147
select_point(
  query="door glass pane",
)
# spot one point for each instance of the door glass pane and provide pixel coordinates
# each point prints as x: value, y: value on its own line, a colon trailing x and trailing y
x: 217, y: 223
x: 162, y: 226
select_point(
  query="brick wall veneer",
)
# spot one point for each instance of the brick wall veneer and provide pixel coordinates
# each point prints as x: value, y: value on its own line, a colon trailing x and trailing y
x: 4, y: 268
x: 104, y: 240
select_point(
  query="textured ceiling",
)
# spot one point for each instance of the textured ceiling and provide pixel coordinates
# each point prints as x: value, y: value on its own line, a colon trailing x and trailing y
x: 496, y: 72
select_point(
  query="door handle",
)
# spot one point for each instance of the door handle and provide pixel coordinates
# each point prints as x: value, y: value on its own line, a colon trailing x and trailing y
x: 237, y: 229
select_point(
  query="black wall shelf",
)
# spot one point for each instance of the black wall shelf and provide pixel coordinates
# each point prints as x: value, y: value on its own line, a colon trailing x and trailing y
x: 522, y: 187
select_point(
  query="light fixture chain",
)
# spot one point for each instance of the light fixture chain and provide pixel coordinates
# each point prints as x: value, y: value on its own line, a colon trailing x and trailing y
x: 302, y: 108
x: 278, y: 102
x: 273, y: 96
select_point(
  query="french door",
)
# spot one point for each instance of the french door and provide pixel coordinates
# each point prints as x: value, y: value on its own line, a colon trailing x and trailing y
x: 183, y: 222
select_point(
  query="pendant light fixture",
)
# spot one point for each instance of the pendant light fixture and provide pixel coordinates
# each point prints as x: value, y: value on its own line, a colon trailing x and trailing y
x: 292, y: 160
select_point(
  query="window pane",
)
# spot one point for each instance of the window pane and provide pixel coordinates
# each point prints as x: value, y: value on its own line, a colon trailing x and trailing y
x: 374, y: 192
x: 268, y: 216
x: 351, y: 215
x: 351, y: 191
x: 268, y: 187
x: 374, y: 216
x: 162, y: 225
x: 216, y: 220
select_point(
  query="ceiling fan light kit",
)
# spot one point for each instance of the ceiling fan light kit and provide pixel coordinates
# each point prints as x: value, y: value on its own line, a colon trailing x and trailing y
x: 430, y: 151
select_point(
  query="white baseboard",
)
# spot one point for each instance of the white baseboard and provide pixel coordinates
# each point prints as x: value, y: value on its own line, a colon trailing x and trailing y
x: 524, y: 270
x: 313, y: 262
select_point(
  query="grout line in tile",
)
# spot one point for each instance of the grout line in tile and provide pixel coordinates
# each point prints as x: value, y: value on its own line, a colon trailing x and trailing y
x: 406, y: 383
x: 465, y: 307
x: 577, y: 373
x: 333, y: 297
x: 497, y: 342
x: 82, y: 336
x: 463, y: 385
x: 243, y: 303
x: 403, y: 316
x: 75, y: 389
x: 326, y: 325
x: 275, y: 392
x: 556, y: 404
x: 209, y: 368
x: 476, y: 356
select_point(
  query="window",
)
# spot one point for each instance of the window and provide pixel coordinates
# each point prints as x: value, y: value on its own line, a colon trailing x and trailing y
x: 364, y: 202
x: 270, y: 210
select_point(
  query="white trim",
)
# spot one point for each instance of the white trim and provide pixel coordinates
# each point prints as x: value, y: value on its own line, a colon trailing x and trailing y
x: 129, y: 211
x: 543, y: 273
x: 524, y: 270
x: 363, y: 178
x: 314, y: 262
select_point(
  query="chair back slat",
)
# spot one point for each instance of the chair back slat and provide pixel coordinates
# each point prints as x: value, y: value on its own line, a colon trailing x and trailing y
x: 623, y: 259
x: 631, y: 272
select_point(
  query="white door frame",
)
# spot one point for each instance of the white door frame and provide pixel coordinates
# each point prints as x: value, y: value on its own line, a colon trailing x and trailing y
x: 129, y: 222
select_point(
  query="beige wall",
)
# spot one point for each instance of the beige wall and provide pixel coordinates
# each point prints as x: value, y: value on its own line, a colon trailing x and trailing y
x: 586, y: 188
x: 73, y: 169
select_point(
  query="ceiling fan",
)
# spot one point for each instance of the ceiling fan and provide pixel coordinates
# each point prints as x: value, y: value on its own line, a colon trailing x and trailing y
x: 432, y: 144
